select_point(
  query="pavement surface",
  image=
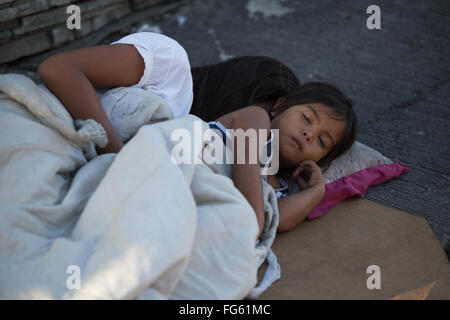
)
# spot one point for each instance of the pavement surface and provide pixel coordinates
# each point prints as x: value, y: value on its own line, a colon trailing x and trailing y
x: 398, y: 76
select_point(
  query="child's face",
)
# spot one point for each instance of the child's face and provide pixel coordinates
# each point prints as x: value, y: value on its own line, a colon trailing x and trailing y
x: 308, y: 125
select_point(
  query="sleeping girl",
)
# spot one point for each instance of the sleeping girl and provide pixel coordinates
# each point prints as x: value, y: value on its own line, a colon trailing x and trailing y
x: 316, y: 123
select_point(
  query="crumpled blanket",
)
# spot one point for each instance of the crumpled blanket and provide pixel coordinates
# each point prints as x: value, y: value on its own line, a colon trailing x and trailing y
x: 136, y: 225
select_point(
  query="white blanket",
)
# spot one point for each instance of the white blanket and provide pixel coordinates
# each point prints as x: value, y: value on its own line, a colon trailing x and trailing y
x: 74, y: 225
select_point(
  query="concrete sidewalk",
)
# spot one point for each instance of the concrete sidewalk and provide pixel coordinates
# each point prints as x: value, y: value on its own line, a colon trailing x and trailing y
x: 398, y: 76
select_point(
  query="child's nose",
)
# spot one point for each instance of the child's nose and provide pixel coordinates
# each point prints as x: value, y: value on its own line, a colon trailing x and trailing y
x: 308, y: 136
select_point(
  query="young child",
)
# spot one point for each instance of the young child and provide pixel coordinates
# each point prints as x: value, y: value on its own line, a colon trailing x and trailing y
x: 316, y: 124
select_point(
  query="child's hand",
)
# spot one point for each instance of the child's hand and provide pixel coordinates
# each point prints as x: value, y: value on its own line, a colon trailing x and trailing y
x: 313, y: 175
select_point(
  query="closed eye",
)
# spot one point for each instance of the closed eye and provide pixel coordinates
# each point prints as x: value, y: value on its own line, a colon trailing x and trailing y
x: 307, y: 119
x: 321, y: 142
x: 320, y: 139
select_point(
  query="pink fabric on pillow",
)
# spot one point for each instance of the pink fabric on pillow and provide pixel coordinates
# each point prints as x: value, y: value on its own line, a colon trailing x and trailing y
x: 356, y: 184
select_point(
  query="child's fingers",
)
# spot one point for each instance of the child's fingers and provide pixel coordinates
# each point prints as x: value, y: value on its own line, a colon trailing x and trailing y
x: 297, y: 171
x: 307, y: 163
x: 302, y: 183
x: 311, y: 166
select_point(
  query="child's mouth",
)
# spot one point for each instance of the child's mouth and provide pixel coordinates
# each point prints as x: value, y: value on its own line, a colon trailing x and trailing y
x: 297, y: 143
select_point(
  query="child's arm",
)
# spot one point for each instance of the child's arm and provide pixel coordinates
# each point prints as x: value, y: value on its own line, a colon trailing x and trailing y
x: 294, y: 208
x: 72, y: 76
x: 247, y: 177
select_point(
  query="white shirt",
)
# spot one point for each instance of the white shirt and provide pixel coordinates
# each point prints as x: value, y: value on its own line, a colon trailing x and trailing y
x: 167, y: 70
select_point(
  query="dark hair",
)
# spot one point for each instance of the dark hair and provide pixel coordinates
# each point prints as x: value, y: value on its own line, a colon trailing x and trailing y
x: 332, y: 97
x: 255, y: 80
x: 237, y: 83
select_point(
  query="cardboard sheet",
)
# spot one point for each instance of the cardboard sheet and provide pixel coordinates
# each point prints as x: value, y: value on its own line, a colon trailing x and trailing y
x: 328, y: 258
